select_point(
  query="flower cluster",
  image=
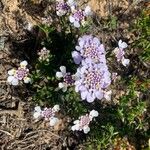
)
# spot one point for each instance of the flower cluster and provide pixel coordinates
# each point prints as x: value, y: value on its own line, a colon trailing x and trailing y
x: 20, y: 74
x: 44, y: 55
x: 89, y: 48
x: 93, y: 76
x: 68, y: 79
x: 119, y: 52
x: 78, y: 16
x: 49, y: 114
x: 83, y: 122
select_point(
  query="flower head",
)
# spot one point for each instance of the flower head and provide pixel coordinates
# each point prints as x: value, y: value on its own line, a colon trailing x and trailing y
x: 49, y: 114
x: 20, y: 74
x: 61, y: 7
x: 79, y: 16
x: 93, y: 80
x: 84, y: 121
x: 90, y: 48
x: 119, y: 52
x: 68, y: 79
x: 44, y: 54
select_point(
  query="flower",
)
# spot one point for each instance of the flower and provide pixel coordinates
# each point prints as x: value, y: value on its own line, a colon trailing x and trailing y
x: 44, y: 54
x: 93, y: 80
x: 79, y: 16
x: 68, y: 79
x: 119, y: 52
x: 61, y: 7
x: 83, y: 122
x: 49, y: 114
x: 20, y: 74
x: 89, y: 48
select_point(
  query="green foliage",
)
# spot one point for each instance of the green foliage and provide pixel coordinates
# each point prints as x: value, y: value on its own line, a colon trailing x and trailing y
x: 143, y: 42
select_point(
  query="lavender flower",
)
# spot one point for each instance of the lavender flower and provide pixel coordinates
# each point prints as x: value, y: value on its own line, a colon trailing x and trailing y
x: 84, y: 121
x: 89, y: 48
x: 61, y: 7
x: 119, y: 52
x: 16, y: 75
x: 92, y: 80
x: 68, y: 79
x: 49, y: 114
x: 79, y: 16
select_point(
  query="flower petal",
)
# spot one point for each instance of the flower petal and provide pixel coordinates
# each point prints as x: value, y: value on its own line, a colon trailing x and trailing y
x: 15, y: 81
x: 63, y: 69
x: 90, y: 97
x: 125, y: 62
x: 24, y: 63
x: 122, y: 44
x: 38, y: 109
x: 10, y: 79
x: 76, y: 24
x: 11, y: 72
x: 76, y: 57
x: 84, y: 95
x: 59, y: 74
x: 71, y: 19
x: 53, y: 121
x: 36, y: 115
x: 94, y: 113
x: 61, y: 85
x: 99, y: 95
x: 27, y: 80
x: 64, y: 89
x: 86, y: 129
x: 56, y: 108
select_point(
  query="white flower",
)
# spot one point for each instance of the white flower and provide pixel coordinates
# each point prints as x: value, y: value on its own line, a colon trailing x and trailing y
x: 23, y: 64
x: 56, y: 108
x: 27, y: 80
x: 62, y: 73
x: 37, y: 112
x: 86, y: 129
x: 93, y: 113
x: 12, y: 80
x: 53, y: 121
x: 125, y: 62
x: 122, y: 44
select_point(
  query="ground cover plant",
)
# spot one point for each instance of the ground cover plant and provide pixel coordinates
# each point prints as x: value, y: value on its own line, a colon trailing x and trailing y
x: 81, y: 90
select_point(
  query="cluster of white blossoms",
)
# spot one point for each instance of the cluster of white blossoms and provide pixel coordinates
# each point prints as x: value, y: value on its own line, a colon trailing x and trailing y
x: 83, y: 122
x: 44, y: 54
x: 119, y: 53
x: 49, y: 114
x: 20, y: 74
